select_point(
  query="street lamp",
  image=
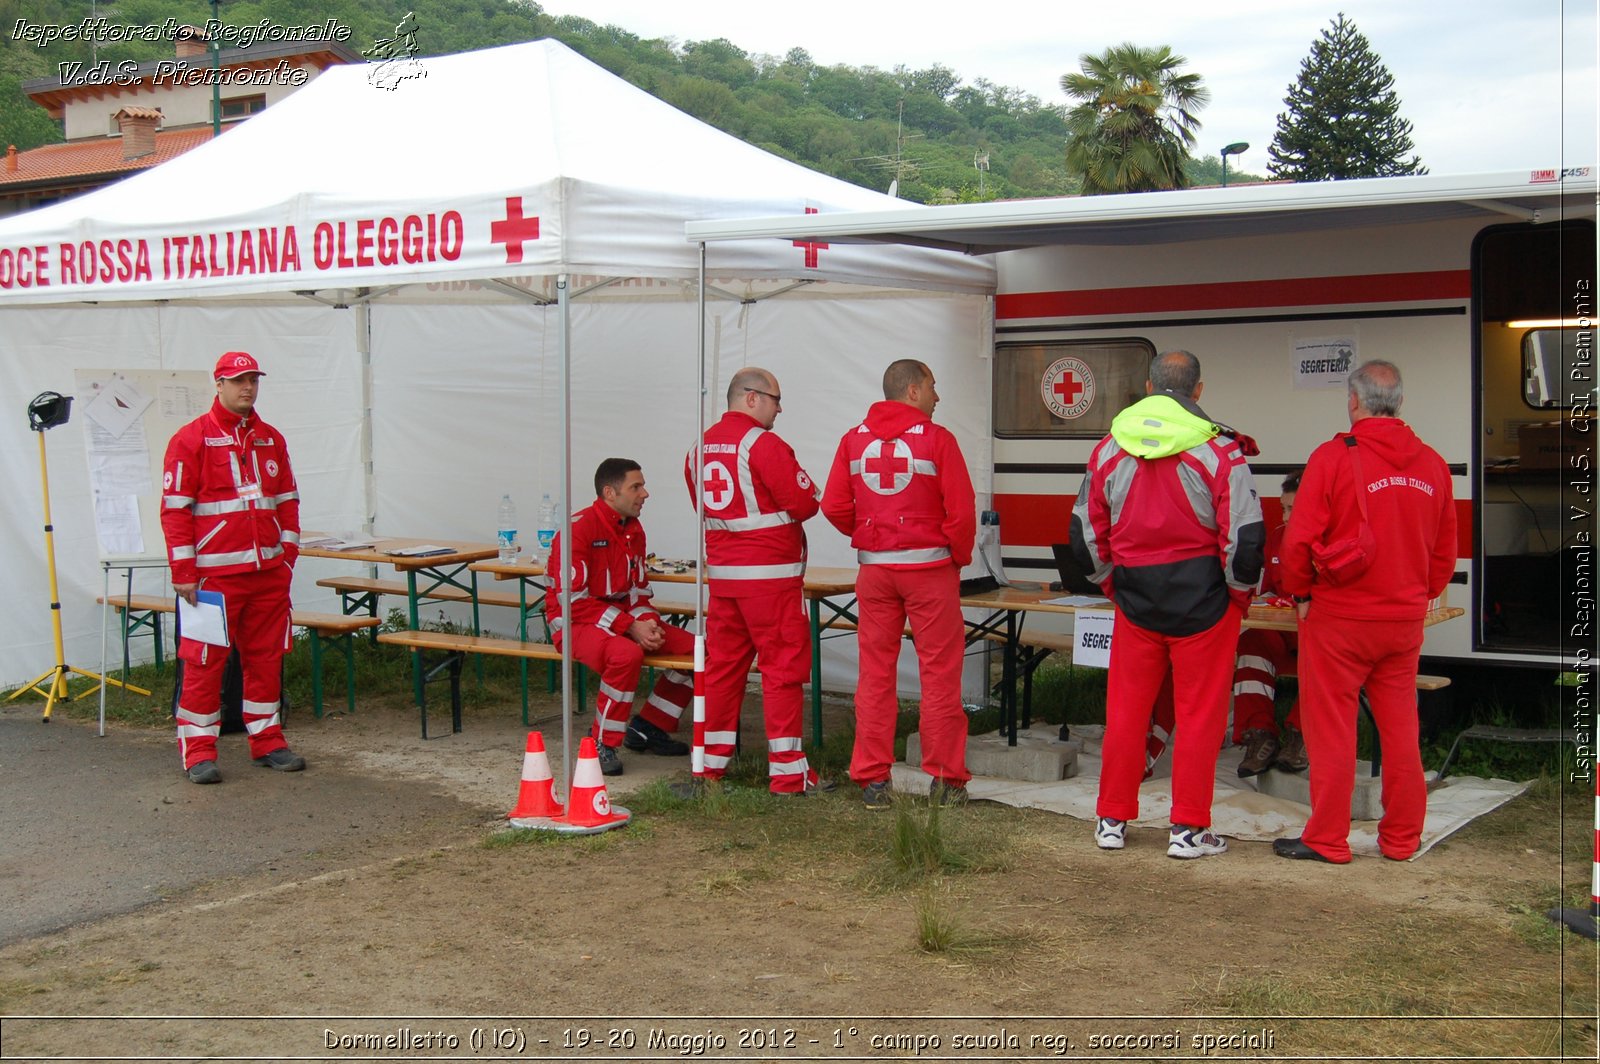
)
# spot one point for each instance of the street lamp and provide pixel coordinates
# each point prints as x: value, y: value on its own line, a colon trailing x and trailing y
x: 1236, y: 148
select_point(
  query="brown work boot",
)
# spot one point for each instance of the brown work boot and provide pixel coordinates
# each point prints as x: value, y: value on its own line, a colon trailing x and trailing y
x: 1292, y: 754
x: 1260, y: 747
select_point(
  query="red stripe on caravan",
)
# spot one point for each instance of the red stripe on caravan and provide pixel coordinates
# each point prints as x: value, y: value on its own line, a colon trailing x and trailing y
x: 1239, y: 295
x: 1040, y: 520
x: 1034, y: 520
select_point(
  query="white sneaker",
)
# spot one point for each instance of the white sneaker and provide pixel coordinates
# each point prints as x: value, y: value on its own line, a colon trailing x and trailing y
x: 1186, y: 843
x: 1109, y: 832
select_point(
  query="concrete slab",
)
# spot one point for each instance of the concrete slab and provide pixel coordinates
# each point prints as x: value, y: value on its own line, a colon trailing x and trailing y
x: 1035, y: 759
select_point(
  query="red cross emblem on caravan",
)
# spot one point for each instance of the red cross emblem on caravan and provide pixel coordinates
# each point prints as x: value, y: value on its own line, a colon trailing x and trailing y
x: 1068, y: 387
x: 887, y: 474
x: 718, y: 485
x: 513, y: 229
x: 811, y: 246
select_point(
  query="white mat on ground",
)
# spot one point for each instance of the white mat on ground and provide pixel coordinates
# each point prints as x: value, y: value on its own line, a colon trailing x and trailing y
x: 1239, y: 810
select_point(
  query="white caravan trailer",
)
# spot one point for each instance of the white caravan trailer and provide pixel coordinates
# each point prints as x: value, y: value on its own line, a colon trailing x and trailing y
x: 1482, y: 289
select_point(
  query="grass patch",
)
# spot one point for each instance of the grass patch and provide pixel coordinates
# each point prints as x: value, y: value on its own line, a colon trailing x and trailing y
x: 943, y: 932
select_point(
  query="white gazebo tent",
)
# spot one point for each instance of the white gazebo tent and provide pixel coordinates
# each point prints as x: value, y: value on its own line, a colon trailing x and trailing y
x: 413, y: 259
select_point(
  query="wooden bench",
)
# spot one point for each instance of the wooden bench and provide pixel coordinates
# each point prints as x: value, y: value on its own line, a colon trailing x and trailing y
x: 145, y: 611
x: 455, y: 648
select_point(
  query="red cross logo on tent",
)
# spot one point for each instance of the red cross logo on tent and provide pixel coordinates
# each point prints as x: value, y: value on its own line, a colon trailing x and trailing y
x: 811, y: 246
x: 1068, y: 388
x: 513, y: 229
x: 887, y: 474
x: 718, y: 485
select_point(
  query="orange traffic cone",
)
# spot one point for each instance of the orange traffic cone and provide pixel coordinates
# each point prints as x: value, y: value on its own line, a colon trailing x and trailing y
x: 589, y: 808
x: 537, y: 796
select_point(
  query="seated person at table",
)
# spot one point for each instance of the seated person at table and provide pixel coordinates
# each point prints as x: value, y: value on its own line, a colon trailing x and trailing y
x: 613, y: 625
x: 1263, y: 655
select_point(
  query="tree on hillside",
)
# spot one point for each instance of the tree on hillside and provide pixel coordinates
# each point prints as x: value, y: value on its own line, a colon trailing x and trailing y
x: 1343, y: 117
x: 1134, y: 122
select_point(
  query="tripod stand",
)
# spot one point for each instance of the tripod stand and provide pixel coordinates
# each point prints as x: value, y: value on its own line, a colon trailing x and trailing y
x: 48, y: 410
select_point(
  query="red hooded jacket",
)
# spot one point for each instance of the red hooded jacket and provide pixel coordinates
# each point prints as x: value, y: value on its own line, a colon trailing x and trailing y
x: 1411, y: 510
x: 899, y: 488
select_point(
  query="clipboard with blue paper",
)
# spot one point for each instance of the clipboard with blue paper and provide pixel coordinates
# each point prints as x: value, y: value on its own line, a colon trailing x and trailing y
x: 207, y: 620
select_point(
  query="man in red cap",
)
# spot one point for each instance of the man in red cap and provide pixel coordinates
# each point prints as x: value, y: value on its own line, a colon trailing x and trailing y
x: 231, y: 515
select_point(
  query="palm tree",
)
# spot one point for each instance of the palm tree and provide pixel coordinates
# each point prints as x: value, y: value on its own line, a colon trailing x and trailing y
x: 1135, y: 120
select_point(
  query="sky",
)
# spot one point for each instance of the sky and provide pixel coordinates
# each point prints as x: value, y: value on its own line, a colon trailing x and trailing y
x: 1489, y: 85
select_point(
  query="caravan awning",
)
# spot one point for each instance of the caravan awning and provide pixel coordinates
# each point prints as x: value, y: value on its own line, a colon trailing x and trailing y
x: 1191, y: 214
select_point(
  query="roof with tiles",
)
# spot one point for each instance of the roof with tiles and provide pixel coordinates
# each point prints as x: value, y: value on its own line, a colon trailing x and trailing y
x: 55, y: 163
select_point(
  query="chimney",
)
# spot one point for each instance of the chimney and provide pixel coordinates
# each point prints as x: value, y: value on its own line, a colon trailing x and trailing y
x: 11, y: 157
x: 191, y: 41
x: 138, y: 125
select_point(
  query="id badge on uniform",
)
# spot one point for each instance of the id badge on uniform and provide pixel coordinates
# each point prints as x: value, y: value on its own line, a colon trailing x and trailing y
x: 250, y: 491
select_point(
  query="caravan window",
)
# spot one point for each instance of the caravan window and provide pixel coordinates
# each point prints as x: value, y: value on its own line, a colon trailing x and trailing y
x: 1067, y: 389
x: 1557, y: 366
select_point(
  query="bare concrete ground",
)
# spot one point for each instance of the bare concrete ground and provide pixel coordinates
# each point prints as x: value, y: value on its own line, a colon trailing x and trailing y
x: 370, y: 887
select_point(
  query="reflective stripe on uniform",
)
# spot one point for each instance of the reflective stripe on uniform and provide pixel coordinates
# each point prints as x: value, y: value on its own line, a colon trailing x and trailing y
x: 756, y: 572
x: 788, y: 768
x: 783, y: 746
x: 717, y: 761
x: 721, y: 738
x: 290, y: 537
x: 748, y: 524
x: 182, y: 553
x: 177, y: 502
x: 614, y: 694
x: 238, y: 557
x: 902, y: 557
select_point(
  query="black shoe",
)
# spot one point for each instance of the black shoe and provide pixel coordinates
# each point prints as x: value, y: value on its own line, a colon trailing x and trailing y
x: 946, y: 794
x: 878, y: 796
x: 646, y: 737
x: 1295, y: 850
x: 282, y: 759
x: 204, y: 772
x: 815, y: 785
x: 610, y: 760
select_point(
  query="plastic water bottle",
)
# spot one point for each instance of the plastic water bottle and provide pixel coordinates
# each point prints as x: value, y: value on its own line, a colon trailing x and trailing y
x: 547, y: 525
x: 508, y: 529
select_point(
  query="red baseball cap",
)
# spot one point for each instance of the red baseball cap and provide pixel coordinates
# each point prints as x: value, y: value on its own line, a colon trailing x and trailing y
x: 236, y: 364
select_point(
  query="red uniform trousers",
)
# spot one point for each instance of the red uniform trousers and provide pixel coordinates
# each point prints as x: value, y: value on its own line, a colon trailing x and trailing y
x: 1339, y: 656
x: 257, y: 604
x: 930, y: 600
x: 773, y: 631
x: 1201, y: 665
x: 1263, y: 656
x: 619, y: 661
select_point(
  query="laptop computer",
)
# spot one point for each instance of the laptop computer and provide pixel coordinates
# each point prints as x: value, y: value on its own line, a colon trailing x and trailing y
x: 1074, y: 580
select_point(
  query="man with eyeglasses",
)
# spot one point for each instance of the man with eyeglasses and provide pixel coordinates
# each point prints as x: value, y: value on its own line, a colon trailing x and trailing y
x: 755, y: 498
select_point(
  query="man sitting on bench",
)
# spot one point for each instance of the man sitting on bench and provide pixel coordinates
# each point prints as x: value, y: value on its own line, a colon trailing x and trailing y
x: 613, y: 624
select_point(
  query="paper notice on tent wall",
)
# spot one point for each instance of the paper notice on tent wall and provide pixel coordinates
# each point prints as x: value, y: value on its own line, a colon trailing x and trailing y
x: 1322, y: 362
x: 117, y: 524
x: 128, y: 415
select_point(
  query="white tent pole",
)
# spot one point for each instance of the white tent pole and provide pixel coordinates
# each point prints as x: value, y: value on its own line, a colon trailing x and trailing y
x: 697, y: 753
x: 564, y: 344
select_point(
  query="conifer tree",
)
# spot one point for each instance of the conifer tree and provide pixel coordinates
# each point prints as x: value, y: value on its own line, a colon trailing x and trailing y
x: 1343, y: 117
